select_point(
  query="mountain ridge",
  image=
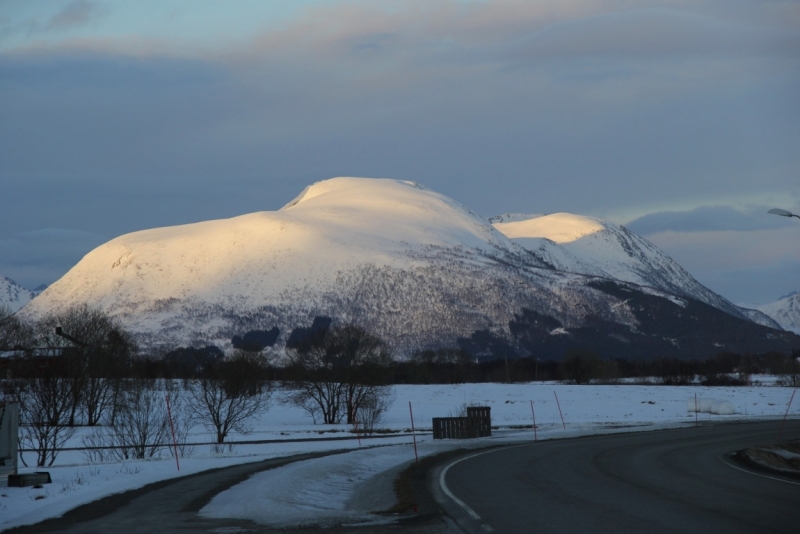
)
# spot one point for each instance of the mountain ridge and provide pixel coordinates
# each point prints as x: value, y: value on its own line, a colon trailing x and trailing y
x: 785, y: 311
x: 415, y: 267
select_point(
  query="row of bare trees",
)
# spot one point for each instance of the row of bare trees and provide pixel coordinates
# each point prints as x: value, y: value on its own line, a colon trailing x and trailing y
x: 74, y: 368
x: 82, y: 377
x: 58, y: 382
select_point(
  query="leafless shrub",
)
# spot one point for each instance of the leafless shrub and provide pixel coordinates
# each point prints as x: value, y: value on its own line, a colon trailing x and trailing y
x: 372, y: 410
x: 141, y: 425
x: 228, y: 399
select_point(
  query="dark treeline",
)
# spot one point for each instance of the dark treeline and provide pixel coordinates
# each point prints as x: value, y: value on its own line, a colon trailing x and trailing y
x: 583, y: 366
x: 456, y: 366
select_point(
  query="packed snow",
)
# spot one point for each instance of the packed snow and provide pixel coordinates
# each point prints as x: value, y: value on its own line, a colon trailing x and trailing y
x: 345, y: 488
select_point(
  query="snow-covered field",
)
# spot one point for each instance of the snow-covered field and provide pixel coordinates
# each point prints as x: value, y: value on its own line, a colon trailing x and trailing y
x: 334, y: 488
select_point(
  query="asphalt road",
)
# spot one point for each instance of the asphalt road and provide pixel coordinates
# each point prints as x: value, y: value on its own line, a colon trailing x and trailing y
x: 669, y: 481
x: 666, y: 481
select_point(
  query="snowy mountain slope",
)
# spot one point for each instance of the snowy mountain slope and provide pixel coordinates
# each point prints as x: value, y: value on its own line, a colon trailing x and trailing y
x: 590, y: 246
x: 759, y: 317
x: 413, y: 266
x: 785, y: 311
x: 394, y: 253
x: 12, y: 295
x: 333, y: 226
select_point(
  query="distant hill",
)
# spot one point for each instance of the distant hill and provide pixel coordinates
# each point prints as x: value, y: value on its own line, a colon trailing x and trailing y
x: 785, y: 311
x: 12, y: 295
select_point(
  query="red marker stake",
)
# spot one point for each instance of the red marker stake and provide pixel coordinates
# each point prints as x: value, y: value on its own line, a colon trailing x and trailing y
x: 559, y: 411
x: 787, y: 413
x: 534, y: 423
x: 413, y: 432
x: 174, y: 441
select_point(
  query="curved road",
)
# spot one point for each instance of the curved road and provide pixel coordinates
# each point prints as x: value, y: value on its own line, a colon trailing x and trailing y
x: 665, y: 481
x: 668, y: 481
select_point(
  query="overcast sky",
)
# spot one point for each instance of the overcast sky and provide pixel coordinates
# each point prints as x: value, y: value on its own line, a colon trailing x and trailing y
x: 679, y: 119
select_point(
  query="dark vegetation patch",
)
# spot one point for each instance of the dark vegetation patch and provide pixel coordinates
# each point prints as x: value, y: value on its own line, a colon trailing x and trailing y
x: 256, y: 340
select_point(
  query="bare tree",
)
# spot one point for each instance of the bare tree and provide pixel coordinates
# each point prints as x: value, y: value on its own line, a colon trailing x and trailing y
x: 94, y: 357
x: 45, y: 400
x: 14, y: 334
x: 338, y: 372
x: 316, y: 391
x: 140, y: 427
x: 230, y: 395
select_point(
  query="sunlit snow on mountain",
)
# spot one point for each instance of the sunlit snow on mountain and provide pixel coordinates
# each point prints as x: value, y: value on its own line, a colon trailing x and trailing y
x: 414, y: 266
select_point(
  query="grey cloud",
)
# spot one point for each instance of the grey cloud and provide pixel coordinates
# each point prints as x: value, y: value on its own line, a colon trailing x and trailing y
x: 706, y: 219
x: 75, y: 13
x: 656, y: 33
x: 106, y: 143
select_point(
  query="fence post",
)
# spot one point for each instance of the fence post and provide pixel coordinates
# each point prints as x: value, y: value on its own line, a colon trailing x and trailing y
x: 174, y: 441
x: 413, y: 432
x: 786, y: 414
x: 559, y: 411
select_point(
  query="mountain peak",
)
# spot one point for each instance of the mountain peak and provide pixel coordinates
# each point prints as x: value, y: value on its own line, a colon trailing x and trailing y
x: 353, y: 189
x: 558, y: 227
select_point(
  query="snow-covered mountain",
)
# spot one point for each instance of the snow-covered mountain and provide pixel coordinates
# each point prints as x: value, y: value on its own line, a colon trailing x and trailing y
x: 413, y: 266
x: 12, y: 295
x: 590, y: 246
x: 785, y: 311
x: 385, y: 252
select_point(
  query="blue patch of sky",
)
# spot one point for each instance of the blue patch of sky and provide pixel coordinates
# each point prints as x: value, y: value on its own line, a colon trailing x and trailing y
x: 206, y: 23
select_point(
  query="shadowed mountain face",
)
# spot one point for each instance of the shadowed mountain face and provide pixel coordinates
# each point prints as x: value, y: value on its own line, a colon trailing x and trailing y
x: 414, y: 267
x: 666, y: 327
